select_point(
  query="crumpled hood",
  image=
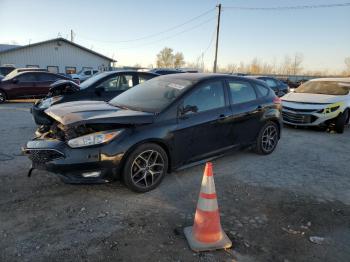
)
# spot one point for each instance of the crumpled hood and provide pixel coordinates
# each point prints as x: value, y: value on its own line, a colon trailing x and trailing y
x: 82, y: 112
x: 311, y: 98
x: 62, y: 87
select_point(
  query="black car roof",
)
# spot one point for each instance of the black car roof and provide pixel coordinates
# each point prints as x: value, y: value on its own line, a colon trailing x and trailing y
x: 127, y: 71
x: 197, y: 77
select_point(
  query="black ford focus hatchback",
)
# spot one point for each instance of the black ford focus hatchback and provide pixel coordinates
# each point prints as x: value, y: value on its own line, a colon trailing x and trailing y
x: 158, y: 126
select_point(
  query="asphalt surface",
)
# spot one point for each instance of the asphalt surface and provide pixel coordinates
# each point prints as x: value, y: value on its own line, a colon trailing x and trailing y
x: 270, y: 205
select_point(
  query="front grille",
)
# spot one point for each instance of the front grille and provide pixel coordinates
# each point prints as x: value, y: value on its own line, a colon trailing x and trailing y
x: 43, y: 156
x: 298, y: 118
x: 300, y: 110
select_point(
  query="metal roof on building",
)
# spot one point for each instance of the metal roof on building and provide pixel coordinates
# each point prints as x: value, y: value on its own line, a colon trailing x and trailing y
x: 4, y: 47
x: 16, y: 47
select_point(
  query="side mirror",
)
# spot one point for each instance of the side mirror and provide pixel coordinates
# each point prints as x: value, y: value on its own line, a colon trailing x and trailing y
x: 188, y: 109
x: 99, y: 90
x: 15, y: 80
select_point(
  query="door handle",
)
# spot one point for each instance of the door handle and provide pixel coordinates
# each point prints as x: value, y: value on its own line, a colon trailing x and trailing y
x: 222, y: 116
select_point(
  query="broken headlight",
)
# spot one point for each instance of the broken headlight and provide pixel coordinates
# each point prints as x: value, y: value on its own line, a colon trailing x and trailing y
x: 46, y: 103
x: 330, y: 109
x: 93, y: 139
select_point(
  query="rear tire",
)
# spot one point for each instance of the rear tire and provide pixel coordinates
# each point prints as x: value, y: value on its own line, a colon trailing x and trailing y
x: 145, y: 167
x: 2, y: 97
x: 267, y: 139
x: 341, y: 121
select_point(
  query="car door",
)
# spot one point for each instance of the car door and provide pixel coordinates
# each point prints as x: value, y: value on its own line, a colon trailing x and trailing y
x: 202, y: 128
x: 24, y: 85
x: 115, y: 85
x: 44, y: 80
x: 246, y: 111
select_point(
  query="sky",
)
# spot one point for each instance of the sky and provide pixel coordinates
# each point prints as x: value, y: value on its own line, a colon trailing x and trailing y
x: 114, y: 28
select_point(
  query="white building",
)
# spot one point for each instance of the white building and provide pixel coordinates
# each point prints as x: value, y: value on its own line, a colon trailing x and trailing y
x: 56, y: 55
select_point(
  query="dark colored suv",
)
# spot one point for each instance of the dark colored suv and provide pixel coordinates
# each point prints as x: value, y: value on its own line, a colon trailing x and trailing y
x: 279, y: 87
x: 28, y: 84
x: 157, y: 126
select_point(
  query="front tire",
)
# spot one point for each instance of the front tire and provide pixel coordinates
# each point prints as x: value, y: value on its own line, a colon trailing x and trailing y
x: 341, y: 121
x: 145, y: 167
x: 2, y: 97
x: 267, y: 139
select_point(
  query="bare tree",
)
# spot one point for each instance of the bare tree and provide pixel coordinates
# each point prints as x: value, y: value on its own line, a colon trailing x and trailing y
x: 347, y: 63
x: 231, y: 68
x: 165, y: 58
x: 179, y: 60
x: 284, y: 69
x: 296, y: 63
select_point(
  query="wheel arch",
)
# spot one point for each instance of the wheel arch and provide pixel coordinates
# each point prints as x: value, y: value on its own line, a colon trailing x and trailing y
x: 279, y: 126
x: 156, y: 141
x: 2, y: 90
x: 274, y: 116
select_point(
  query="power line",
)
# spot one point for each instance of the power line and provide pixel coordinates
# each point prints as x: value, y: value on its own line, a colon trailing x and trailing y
x: 210, y: 43
x: 297, y: 7
x: 172, y: 36
x: 155, y: 34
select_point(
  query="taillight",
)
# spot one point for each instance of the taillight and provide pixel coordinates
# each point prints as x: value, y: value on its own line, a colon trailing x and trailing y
x: 277, y: 100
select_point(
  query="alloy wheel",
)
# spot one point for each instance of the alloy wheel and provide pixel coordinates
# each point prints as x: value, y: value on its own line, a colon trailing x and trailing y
x: 2, y: 97
x: 269, y: 138
x: 147, y: 168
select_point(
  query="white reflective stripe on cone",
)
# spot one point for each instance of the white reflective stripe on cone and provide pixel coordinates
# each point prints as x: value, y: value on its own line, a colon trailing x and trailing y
x: 207, y: 204
x: 208, y: 186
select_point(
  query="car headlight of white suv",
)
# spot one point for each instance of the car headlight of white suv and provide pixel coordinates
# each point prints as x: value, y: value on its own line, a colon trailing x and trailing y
x: 330, y: 108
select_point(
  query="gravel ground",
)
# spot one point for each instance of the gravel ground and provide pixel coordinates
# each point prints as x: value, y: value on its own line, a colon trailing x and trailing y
x: 270, y: 205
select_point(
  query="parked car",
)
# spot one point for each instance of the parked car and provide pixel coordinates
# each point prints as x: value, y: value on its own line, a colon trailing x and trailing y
x: 279, y: 87
x: 103, y: 87
x: 319, y: 102
x: 166, y: 71
x: 5, y: 70
x: 84, y: 74
x: 27, y: 84
x: 19, y: 70
x: 157, y: 126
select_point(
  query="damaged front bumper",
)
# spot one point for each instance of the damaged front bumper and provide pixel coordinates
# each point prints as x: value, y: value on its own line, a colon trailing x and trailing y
x: 75, y: 165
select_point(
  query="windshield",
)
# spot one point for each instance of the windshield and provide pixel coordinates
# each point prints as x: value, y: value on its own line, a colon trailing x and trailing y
x: 324, y: 87
x: 92, y: 80
x: 11, y: 75
x: 153, y: 95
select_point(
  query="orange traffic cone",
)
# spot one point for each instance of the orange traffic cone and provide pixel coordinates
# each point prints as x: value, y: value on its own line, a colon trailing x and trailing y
x: 206, y: 233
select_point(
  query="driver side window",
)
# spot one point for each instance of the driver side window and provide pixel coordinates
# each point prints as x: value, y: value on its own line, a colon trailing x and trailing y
x: 26, y: 78
x: 118, y: 83
x: 208, y: 96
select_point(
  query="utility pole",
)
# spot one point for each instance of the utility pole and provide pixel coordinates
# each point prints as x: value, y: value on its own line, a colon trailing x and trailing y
x: 71, y: 35
x: 217, y: 38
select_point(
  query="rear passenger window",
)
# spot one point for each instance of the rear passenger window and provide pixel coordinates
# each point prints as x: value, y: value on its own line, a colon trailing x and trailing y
x: 263, y: 91
x: 42, y: 77
x: 241, y: 92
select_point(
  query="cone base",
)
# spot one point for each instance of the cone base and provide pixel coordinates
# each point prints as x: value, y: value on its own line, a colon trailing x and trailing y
x: 198, y: 246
